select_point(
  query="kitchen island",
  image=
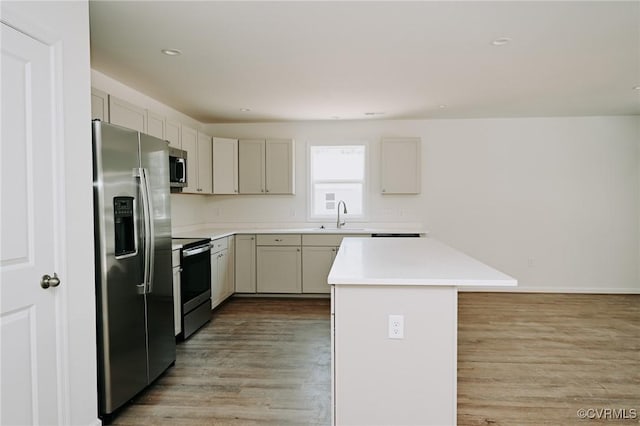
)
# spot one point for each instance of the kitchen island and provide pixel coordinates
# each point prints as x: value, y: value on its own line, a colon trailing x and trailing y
x: 394, y: 329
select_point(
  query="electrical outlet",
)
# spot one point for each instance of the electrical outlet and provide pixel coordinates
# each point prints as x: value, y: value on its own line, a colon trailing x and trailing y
x: 396, y: 326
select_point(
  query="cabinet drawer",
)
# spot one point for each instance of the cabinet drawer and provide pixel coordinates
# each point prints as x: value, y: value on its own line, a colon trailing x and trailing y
x: 175, y: 258
x: 219, y: 244
x: 327, y: 240
x: 279, y: 239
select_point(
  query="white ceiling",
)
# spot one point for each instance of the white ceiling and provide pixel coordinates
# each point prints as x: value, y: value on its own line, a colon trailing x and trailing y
x: 290, y: 61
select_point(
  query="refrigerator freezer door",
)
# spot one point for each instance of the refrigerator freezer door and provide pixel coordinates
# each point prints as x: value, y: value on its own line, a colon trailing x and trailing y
x: 122, y: 361
x: 154, y: 156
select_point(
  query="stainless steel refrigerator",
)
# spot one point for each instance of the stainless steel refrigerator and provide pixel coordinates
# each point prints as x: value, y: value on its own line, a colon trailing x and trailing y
x: 134, y: 290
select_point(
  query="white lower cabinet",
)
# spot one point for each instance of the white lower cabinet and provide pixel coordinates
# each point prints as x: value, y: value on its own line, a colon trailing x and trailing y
x: 245, y: 264
x: 318, y: 253
x: 279, y: 269
x: 316, y: 264
x: 221, y: 271
x: 177, y: 300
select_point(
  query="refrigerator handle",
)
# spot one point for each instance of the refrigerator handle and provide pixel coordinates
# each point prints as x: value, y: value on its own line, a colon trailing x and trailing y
x: 152, y: 233
x: 146, y: 215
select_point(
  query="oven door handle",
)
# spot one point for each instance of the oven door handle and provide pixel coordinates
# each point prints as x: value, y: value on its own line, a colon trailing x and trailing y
x: 195, y: 250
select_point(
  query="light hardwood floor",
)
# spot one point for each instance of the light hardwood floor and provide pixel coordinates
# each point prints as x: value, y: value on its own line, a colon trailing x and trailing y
x: 523, y: 359
x: 536, y: 359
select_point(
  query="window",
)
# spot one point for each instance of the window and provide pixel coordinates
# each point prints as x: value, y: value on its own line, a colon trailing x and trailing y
x: 336, y: 172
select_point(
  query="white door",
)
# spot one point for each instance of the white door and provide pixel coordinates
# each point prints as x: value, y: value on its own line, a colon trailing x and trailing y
x: 29, y: 315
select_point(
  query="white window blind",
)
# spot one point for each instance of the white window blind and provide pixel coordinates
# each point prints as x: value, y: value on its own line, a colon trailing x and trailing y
x: 337, y: 172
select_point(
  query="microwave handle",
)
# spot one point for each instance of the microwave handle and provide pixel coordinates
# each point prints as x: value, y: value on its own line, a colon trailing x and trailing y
x: 180, y: 170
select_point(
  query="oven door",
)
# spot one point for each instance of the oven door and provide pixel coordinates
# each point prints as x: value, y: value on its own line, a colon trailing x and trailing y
x: 195, y: 278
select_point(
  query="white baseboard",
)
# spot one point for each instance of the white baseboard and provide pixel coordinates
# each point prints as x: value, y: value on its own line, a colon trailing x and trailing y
x: 540, y: 289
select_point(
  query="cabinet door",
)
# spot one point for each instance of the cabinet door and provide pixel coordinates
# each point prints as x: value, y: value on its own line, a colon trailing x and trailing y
x: 231, y: 267
x: 219, y: 290
x: 251, y: 157
x: 215, y: 283
x: 316, y: 264
x: 124, y: 114
x: 155, y: 125
x: 189, y: 139
x: 99, y: 105
x: 205, y: 175
x: 279, y: 167
x: 400, y: 166
x: 279, y: 269
x: 245, y: 264
x: 177, y: 301
x: 225, y: 166
x: 172, y: 133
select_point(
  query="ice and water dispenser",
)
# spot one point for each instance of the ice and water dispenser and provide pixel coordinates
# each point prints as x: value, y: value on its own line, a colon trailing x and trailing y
x: 124, y: 226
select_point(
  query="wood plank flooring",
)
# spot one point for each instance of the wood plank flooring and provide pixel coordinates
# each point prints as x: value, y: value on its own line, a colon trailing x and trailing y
x: 535, y: 359
x: 523, y: 359
x: 259, y: 361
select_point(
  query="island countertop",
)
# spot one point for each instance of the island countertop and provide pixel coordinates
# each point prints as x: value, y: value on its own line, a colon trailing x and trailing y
x: 410, y: 261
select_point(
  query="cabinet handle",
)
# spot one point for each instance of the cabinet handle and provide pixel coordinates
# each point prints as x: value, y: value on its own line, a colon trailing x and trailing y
x: 266, y: 190
x: 252, y: 238
x: 297, y: 249
x: 279, y: 240
x: 384, y: 190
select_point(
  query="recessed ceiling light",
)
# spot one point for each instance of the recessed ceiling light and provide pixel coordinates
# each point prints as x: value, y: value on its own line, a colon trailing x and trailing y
x: 245, y: 109
x: 442, y: 106
x: 500, y: 41
x: 171, y: 52
x: 636, y: 88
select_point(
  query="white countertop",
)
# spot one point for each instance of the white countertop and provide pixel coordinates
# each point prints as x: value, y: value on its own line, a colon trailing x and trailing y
x: 410, y: 261
x: 214, y: 233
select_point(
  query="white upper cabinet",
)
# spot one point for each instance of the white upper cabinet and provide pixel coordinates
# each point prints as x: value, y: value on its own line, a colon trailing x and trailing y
x: 266, y: 166
x: 251, y: 165
x: 225, y: 166
x: 205, y: 172
x: 400, y: 162
x: 189, y: 138
x: 198, y: 147
x: 155, y: 125
x: 172, y: 133
x: 124, y: 114
x: 279, y: 166
x: 99, y: 105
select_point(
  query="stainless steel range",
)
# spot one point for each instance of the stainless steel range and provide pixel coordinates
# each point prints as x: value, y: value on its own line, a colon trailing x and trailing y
x: 195, y: 283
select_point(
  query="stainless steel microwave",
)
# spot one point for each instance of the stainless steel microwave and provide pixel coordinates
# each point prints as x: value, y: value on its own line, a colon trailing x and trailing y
x: 177, y: 169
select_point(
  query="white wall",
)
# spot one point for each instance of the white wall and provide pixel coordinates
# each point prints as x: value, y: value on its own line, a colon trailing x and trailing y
x: 555, y: 202
x: 551, y: 201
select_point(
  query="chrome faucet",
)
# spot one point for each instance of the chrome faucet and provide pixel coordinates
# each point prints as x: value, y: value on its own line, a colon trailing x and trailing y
x: 338, y: 223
